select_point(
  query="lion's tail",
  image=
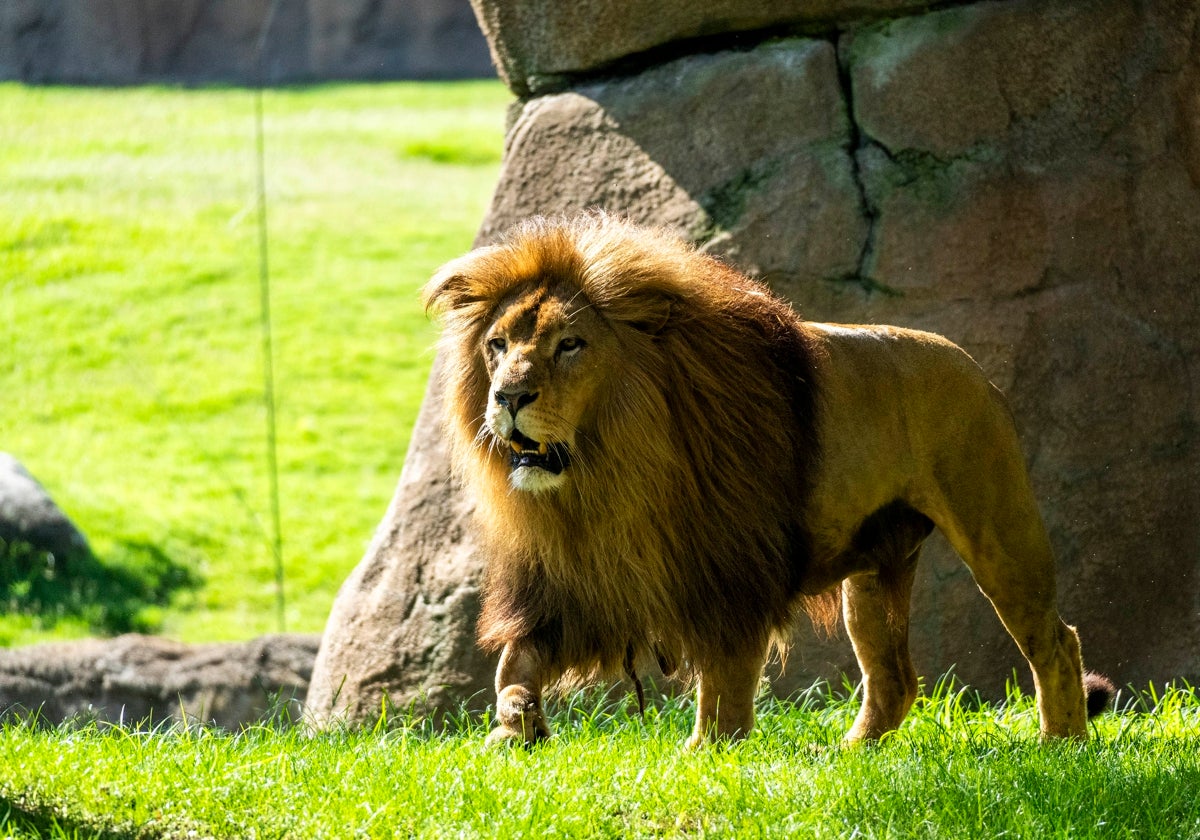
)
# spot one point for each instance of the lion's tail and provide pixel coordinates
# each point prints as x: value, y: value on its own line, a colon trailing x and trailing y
x: 1099, y: 691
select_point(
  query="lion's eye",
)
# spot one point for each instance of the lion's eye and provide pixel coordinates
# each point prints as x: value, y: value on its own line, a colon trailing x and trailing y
x: 570, y: 344
x: 497, y: 344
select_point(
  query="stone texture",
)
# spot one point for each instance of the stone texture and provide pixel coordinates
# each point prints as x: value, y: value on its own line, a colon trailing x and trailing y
x: 733, y: 148
x: 1022, y: 177
x: 137, y: 679
x: 28, y: 516
x: 542, y: 45
x: 137, y: 41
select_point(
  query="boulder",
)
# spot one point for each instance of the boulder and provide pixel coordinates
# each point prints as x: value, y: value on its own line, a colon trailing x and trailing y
x: 1022, y: 177
x: 146, y: 680
x: 139, y: 41
x: 29, y: 518
x: 1031, y: 174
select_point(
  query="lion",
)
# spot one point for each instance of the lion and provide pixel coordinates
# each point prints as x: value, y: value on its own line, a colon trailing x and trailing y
x: 669, y: 465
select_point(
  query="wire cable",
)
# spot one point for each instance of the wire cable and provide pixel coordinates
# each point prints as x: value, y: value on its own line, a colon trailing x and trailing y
x: 268, y: 351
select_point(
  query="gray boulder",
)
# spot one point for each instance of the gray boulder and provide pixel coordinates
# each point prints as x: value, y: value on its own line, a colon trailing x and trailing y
x: 404, y: 621
x: 145, y: 680
x: 541, y: 46
x: 29, y: 518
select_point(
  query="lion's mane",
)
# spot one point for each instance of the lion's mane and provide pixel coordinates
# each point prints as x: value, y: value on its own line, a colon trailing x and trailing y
x: 671, y: 540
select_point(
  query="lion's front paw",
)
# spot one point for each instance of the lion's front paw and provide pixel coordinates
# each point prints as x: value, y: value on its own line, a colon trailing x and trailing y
x: 519, y: 712
x: 505, y: 736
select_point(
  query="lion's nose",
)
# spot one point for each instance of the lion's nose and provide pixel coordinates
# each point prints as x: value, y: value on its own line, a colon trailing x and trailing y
x: 514, y: 399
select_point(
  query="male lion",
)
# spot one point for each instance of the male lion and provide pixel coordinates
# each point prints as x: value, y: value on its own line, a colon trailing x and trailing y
x: 669, y: 464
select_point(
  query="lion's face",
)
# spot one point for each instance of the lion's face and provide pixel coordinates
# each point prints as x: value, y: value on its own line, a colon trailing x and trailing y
x: 548, y: 353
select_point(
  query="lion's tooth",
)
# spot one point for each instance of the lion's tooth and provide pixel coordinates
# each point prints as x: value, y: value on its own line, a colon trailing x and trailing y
x: 516, y: 447
x: 543, y: 448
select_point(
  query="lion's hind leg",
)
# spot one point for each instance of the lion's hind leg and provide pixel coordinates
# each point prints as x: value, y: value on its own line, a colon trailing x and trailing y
x: 989, y: 514
x: 875, y: 608
x: 1026, y: 606
x: 1051, y: 647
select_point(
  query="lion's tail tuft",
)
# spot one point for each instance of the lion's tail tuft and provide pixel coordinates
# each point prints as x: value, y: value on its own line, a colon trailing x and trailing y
x: 1099, y: 691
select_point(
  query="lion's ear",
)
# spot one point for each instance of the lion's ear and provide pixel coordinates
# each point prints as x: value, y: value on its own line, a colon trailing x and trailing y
x: 655, y: 316
x: 638, y: 304
x: 451, y: 286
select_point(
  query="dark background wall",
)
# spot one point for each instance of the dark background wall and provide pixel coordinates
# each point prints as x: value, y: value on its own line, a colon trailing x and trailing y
x: 121, y: 42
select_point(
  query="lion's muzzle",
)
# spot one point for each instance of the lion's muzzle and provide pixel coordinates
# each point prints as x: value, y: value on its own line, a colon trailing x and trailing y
x: 528, y: 453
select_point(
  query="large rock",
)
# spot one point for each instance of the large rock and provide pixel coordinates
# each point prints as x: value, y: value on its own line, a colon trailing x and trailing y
x: 1023, y: 177
x: 1032, y: 174
x: 139, y: 680
x: 137, y: 41
x: 30, y: 520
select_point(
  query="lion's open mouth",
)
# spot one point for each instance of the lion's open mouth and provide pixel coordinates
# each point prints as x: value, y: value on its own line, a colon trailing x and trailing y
x: 551, y: 457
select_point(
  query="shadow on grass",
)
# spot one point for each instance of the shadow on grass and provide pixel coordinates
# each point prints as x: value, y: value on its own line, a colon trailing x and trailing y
x: 19, y: 819
x: 122, y: 595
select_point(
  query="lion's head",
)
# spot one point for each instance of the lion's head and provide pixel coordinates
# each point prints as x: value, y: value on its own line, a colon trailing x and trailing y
x: 551, y: 342
x: 549, y: 356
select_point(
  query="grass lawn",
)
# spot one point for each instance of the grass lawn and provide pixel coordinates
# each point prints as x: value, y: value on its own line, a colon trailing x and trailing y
x: 956, y: 769
x: 131, y: 364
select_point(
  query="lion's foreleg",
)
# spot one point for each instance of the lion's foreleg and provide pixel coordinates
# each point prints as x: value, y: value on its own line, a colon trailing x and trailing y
x: 519, y: 712
x: 725, y: 696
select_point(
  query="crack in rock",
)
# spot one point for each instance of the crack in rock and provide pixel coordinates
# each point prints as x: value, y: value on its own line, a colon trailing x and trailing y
x: 857, y: 144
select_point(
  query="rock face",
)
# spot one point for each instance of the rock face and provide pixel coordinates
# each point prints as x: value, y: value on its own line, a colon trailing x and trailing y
x: 137, y: 41
x: 30, y: 518
x: 1022, y: 177
x: 138, y: 679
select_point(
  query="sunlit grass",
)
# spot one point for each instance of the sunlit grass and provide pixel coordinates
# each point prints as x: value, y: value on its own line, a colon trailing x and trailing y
x: 130, y: 312
x: 958, y: 768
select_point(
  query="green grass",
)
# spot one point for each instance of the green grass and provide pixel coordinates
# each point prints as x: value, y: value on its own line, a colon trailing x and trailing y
x: 130, y: 356
x: 957, y: 768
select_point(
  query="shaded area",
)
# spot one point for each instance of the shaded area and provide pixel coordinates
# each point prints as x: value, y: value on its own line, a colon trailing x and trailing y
x: 21, y: 818
x: 25, y: 816
x: 118, y: 596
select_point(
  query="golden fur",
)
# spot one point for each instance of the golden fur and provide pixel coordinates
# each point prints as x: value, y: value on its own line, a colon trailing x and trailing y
x: 669, y: 464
